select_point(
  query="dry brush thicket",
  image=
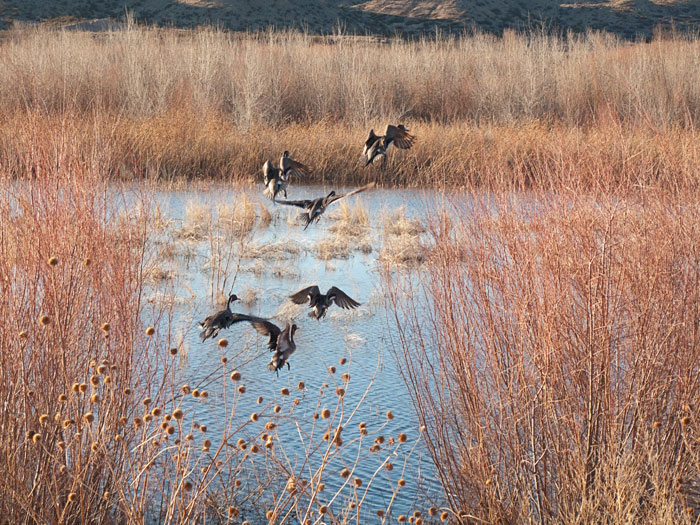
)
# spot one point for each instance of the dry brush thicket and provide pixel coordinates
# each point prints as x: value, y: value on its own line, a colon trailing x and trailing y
x: 206, y: 103
x: 551, y: 349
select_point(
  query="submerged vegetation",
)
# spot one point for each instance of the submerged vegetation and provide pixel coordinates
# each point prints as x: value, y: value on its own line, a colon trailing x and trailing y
x: 544, y: 318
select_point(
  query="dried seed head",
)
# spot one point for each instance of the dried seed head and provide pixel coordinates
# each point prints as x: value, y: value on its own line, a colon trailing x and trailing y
x: 326, y: 436
x: 185, y: 389
x: 657, y: 424
x: 178, y: 414
x: 187, y: 485
x: 163, y: 425
x: 402, y: 519
x: 685, y: 420
x: 259, y: 400
x: 270, y: 514
x: 173, y: 351
x: 202, y: 428
x: 389, y: 466
x: 67, y: 422
x: 206, y: 445
x: 189, y: 437
x: 345, y: 473
x: 44, y: 320
x: 43, y: 419
x: 156, y: 412
x: 101, y: 370
x: 331, y: 369
x: 123, y: 420
x: 277, y: 409
x: 105, y: 327
x: 94, y: 380
x: 389, y: 415
x: 95, y: 398
x: 241, y: 389
x: 224, y: 359
x: 147, y: 418
x: 269, y: 444
x: 403, y: 438
x: 301, y: 385
x: 238, y: 483
x: 94, y: 446
x: 340, y: 392
x: 205, y: 394
x: 23, y: 334
x: 223, y: 342
x: 325, y: 413
x: 61, y: 446
x: 147, y: 401
x: 343, y: 360
x: 433, y: 511
x: 402, y: 482
x: 233, y: 511
x: 195, y: 392
x: 150, y: 331
x: 36, y: 438
x: 284, y: 391
x: 89, y: 417
x: 379, y: 440
x: 323, y: 509
x: 417, y: 514
x: 235, y: 375
x: 127, y: 391
x: 53, y: 261
x: 254, y: 417
x: 346, y: 377
x: 357, y: 482
x: 487, y: 482
x: 270, y: 425
x: 72, y: 497
x: 241, y: 444
x: 87, y: 261
x: 138, y: 422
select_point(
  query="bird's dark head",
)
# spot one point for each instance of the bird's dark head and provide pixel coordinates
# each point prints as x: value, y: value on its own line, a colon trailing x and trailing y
x: 293, y: 328
x: 331, y: 194
x: 231, y: 298
x: 285, y: 154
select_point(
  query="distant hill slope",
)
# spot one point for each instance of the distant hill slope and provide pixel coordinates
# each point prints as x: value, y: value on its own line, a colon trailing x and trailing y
x: 627, y: 18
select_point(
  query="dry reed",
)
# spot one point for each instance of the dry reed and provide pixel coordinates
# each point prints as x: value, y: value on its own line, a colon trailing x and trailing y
x: 551, y: 352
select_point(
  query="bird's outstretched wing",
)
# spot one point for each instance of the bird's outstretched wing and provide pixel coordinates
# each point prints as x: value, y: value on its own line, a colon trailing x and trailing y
x: 371, y: 139
x: 305, y: 295
x: 237, y: 318
x: 268, y: 171
x: 292, y: 167
x: 353, y: 192
x: 341, y: 298
x: 269, y: 329
x: 399, y: 136
x: 298, y: 204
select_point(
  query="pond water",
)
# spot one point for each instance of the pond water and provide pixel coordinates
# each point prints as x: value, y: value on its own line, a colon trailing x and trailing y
x: 265, y: 264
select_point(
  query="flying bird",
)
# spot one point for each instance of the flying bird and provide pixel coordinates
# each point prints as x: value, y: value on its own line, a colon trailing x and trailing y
x: 223, y: 319
x: 277, y: 179
x: 315, y: 208
x: 377, y: 145
x: 281, y: 342
x: 321, y: 302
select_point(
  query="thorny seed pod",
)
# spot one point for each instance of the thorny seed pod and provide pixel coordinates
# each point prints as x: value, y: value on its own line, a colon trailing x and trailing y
x: 223, y: 342
x: 178, y: 414
x: 325, y: 413
x: 44, y: 320
x: 150, y: 331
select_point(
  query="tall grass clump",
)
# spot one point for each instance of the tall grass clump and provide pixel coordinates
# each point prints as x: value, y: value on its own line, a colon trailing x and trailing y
x: 551, y: 350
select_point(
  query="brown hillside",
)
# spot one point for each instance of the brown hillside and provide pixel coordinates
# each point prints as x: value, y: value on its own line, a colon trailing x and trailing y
x: 627, y: 18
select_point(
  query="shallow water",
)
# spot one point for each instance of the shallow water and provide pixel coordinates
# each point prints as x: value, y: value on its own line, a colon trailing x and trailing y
x: 359, y: 335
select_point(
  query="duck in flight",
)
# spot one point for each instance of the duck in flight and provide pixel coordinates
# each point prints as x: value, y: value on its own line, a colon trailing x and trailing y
x: 276, y: 180
x: 377, y: 145
x: 281, y: 342
x: 313, y: 209
x: 321, y: 302
x: 223, y: 319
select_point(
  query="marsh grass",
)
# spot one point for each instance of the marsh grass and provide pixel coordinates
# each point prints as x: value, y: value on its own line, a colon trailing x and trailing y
x: 559, y: 330
x: 522, y: 111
